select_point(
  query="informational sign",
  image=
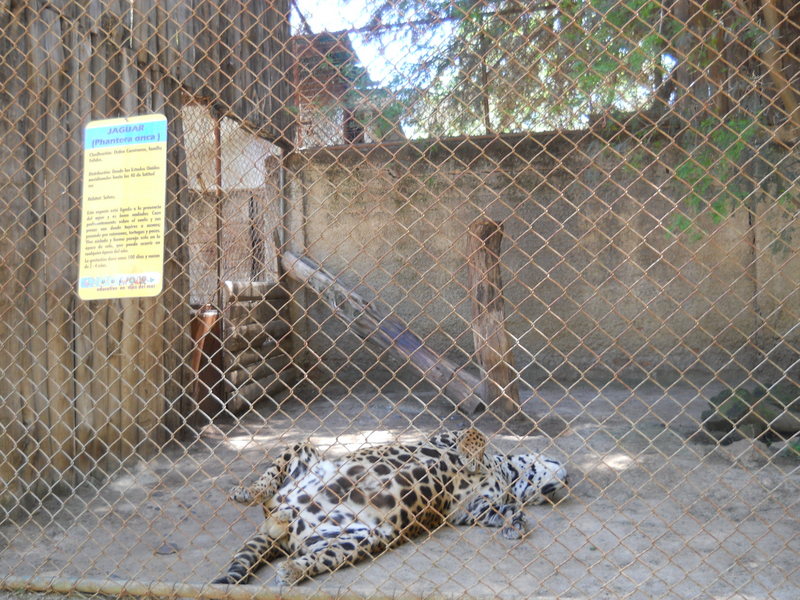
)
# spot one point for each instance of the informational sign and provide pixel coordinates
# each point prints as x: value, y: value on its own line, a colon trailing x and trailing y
x: 122, y: 216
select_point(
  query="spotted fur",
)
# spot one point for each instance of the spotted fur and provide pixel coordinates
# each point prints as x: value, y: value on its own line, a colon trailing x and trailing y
x: 324, y: 514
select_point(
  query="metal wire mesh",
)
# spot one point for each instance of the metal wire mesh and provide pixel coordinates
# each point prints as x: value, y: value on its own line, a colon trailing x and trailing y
x: 570, y: 225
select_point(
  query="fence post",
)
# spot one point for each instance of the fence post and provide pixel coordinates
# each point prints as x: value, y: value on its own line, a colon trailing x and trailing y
x: 493, y: 349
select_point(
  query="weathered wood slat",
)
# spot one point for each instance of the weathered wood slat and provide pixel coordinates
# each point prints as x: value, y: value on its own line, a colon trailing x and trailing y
x: 86, y: 417
x: 244, y: 78
x: 112, y: 394
x: 374, y: 324
x: 77, y: 98
x: 173, y: 47
x: 115, y: 348
x: 14, y: 332
x: 278, y: 59
x: 38, y: 420
x: 128, y: 75
x: 151, y: 389
x: 11, y: 458
x: 173, y: 310
x: 204, y: 76
x: 232, y: 60
x: 59, y: 246
x: 130, y: 400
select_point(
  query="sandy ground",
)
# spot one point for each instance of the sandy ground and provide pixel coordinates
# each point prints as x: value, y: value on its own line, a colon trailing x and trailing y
x: 648, y: 515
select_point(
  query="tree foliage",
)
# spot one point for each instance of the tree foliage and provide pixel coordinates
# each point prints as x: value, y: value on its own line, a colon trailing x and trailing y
x: 718, y: 77
x: 487, y: 66
x: 504, y: 65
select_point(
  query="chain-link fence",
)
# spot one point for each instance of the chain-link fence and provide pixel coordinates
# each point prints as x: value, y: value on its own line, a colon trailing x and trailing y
x: 571, y: 226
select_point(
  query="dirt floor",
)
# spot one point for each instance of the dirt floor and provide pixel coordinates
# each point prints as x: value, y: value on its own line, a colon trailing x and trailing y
x: 649, y: 514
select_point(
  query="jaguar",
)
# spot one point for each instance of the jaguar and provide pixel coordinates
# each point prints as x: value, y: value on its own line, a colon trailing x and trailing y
x: 322, y: 514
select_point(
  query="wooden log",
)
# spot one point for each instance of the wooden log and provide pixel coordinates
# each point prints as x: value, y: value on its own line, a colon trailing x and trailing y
x: 254, y: 335
x: 265, y: 369
x: 250, y: 311
x: 493, y: 348
x: 250, y: 393
x: 255, y: 290
x: 253, y: 331
x: 374, y: 324
x: 242, y: 360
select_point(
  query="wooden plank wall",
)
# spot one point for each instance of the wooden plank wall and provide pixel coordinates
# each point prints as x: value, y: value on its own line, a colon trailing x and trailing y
x: 237, y: 57
x: 85, y: 385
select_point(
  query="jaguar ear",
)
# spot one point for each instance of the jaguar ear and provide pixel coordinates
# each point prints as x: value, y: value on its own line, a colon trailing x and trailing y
x: 472, y: 445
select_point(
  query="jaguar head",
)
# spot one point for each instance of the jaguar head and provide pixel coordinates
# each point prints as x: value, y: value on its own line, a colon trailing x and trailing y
x: 537, y: 479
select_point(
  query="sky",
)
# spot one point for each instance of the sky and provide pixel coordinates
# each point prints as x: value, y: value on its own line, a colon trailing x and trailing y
x: 334, y: 15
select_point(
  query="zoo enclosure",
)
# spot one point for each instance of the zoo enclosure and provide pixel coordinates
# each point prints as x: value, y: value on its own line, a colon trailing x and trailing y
x: 639, y: 156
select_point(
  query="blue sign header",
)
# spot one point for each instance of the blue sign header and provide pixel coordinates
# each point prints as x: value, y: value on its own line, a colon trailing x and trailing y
x: 116, y: 132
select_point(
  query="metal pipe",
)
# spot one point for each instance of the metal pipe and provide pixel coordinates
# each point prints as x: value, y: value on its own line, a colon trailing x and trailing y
x: 283, y: 204
x: 156, y: 589
x: 218, y: 198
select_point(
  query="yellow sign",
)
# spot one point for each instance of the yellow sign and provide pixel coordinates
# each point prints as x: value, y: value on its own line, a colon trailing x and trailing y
x: 122, y: 210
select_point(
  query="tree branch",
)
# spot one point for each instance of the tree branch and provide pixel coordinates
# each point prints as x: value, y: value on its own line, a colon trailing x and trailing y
x: 772, y: 59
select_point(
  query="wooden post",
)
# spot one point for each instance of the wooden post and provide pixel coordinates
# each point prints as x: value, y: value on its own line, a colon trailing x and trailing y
x: 375, y: 324
x: 493, y: 348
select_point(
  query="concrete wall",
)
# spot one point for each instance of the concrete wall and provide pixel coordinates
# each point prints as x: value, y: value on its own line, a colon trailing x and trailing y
x: 596, y: 284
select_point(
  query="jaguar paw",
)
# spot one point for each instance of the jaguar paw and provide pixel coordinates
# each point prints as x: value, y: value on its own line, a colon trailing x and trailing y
x: 240, y: 494
x: 289, y: 573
